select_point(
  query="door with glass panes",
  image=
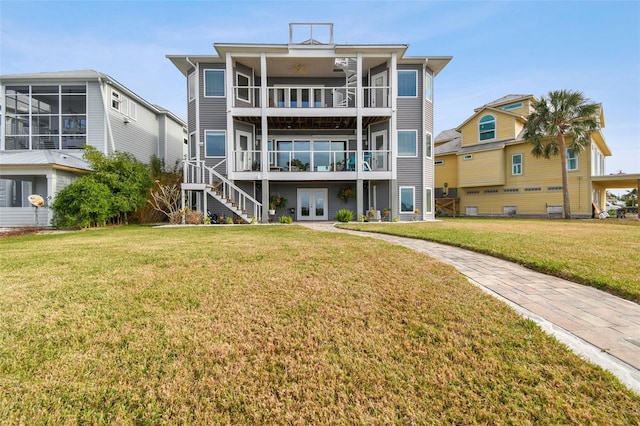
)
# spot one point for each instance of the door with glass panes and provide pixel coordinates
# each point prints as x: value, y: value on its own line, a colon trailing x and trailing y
x: 312, y: 204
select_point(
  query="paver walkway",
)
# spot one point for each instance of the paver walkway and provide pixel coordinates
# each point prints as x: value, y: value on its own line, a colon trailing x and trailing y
x: 598, y: 326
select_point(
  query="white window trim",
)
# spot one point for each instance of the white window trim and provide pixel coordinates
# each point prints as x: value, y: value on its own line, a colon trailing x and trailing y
x: 495, y: 128
x: 224, y: 85
x: 238, y: 74
x: 513, y: 173
x: 192, y: 83
x: 193, y: 140
x: 115, y: 95
x: 428, y: 84
x: 572, y: 158
x: 428, y: 145
x: 438, y: 163
x: 413, y: 194
x: 133, y: 110
x: 416, y: 88
x: 205, y: 143
x: 416, y: 144
x: 428, y: 200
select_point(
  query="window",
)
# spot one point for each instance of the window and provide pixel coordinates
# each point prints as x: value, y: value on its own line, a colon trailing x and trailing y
x: 428, y: 87
x: 45, y: 116
x: 115, y: 100
x: 242, y: 91
x: 428, y: 145
x: 214, y: 83
x: 516, y: 164
x: 467, y: 157
x: 191, y: 83
x: 512, y: 106
x: 407, y: 202
x: 193, y: 147
x: 487, y: 127
x: 407, y: 83
x: 407, y: 146
x: 429, y: 206
x: 133, y: 110
x: 439, y: 162
x: 215, y: 143
x: 572, y: 159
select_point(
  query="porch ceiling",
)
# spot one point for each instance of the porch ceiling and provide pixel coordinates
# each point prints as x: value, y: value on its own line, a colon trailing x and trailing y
x: 312, y: 123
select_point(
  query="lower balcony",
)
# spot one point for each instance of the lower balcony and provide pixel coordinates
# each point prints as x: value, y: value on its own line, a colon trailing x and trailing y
x: 313, y: 161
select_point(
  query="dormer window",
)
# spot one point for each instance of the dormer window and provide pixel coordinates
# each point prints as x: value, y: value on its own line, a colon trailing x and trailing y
x: 487, y: 127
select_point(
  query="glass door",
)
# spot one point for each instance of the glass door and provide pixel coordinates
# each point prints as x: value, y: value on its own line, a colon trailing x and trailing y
x: 380, y: 151
x: 379, y: 90
x: 312, y: 204
x: 244, y: 153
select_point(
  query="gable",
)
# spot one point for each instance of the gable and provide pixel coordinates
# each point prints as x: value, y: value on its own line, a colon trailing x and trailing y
x: 490, y: 125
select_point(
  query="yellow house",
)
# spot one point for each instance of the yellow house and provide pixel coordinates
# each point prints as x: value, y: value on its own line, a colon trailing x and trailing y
x: 485, y: 168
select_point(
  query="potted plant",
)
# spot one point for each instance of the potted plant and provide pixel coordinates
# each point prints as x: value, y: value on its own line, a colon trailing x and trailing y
x: 387, y: 214
x: 346, y: 193
x: 296, y: 165
x: 277, y: 202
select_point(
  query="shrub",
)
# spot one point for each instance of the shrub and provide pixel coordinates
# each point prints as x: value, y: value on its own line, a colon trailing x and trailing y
x: 83, y: 203
x: 194, y: 217
x: 344, y: 215
x: 286, y: 219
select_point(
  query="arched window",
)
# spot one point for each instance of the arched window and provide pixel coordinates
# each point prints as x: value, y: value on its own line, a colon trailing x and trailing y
x: 487, y: 127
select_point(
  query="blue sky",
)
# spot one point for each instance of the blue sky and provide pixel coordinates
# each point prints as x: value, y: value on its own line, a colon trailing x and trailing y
x: 498, y: 47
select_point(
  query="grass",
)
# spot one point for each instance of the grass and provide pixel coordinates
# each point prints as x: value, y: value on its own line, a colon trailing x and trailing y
x: 602, y: 254
x: 272, y: 325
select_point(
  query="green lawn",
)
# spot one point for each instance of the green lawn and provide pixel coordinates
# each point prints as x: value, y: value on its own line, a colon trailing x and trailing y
x: 272, y: 325
x: 602, y: 254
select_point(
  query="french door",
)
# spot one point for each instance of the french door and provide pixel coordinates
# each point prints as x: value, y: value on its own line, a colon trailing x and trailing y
x: 379, y: 92
x: 244, y: 152
x: 312, y: 204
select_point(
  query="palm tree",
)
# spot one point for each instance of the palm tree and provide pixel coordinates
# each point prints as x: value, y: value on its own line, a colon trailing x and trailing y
x: 564, y: 120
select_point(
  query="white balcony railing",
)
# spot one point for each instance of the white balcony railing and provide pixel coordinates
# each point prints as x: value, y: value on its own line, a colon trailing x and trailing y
x: 311, y: 97
x: 312, y: 161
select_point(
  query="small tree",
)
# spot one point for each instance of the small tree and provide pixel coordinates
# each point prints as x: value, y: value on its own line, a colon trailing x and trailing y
x: 166, y: 199
x: 563, y: 120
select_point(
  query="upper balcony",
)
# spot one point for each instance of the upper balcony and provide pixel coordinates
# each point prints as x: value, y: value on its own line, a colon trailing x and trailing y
x: 309, y: 96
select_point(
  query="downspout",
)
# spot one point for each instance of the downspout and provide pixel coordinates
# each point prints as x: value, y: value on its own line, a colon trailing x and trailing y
x: 106, y: 118
x: 197, y: 130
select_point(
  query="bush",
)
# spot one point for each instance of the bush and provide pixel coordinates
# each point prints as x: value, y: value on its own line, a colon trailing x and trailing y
x: 83, y: 203
x: 194, y: 217
x: 344, y: 215
x: 286, y: 219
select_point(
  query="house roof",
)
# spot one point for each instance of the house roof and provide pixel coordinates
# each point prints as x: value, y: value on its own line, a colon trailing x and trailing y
x: 450, y: 142
x: 508, y: 99
x: 44, y: 157
x: 446, y: 135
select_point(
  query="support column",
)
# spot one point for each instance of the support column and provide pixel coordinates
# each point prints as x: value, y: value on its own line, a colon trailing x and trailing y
x: 265, y: 200
x: 359, y: 198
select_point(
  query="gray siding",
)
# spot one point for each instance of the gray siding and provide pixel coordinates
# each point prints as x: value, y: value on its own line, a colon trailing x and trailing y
x: 175, y: 146
x: 96, y: 129
x: 410, y: 117
x: 138, y: 137
x: 213, y: 111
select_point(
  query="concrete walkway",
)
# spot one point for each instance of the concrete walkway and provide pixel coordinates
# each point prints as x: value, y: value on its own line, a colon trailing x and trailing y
x: 602, y: 328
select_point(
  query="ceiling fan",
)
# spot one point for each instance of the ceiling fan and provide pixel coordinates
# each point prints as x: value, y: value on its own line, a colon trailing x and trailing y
x: 301, y: 68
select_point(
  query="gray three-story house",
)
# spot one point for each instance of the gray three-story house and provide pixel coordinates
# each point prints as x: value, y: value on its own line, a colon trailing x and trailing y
x: 311, y: 122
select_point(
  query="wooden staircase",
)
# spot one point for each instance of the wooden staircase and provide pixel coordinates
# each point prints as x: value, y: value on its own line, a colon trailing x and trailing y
x: 199, y: 177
